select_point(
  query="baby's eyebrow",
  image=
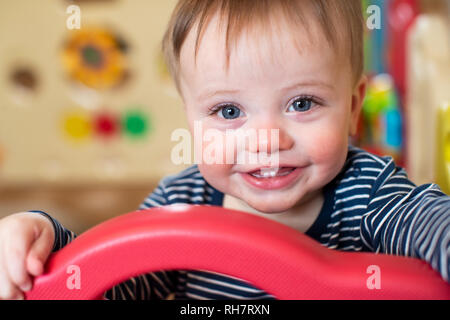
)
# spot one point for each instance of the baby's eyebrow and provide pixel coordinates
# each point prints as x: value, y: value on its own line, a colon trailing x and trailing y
x: 209, y: 94
x: 309, y: 84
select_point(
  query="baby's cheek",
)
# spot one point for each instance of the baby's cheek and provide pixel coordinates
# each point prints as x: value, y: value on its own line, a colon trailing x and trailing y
x: 329, y: 151
x: 217, y: 175
x: 211, y: 152
x: 211, y: 148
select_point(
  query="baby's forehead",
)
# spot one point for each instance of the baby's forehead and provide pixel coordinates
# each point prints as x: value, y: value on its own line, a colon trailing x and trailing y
x: 260, y: 47
x: 333, y: 28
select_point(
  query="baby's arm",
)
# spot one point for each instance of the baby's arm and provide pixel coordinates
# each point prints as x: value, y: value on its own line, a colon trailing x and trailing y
x: 403, y: 219
x: 157, y: 285
x: 63, y: 236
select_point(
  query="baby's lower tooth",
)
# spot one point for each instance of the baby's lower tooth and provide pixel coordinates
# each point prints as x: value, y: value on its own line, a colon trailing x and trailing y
x: 266, y: 173
x: 270, y: 173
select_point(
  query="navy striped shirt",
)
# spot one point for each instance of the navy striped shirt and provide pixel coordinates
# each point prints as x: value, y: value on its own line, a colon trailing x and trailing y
x: 370, y: 206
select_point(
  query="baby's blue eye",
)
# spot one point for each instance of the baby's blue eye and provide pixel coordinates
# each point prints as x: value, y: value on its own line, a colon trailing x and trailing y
x: 301, y: 105
x: 230, y: 112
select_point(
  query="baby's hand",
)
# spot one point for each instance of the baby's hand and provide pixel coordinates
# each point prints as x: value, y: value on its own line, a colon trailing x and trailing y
x: 26, y: 240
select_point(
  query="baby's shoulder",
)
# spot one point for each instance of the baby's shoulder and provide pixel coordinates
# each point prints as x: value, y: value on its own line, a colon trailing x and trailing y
x: 187, y: 186
x: 362, y: 176
x: 360, y: 161
x: 190, y: 175
x: 369, y: 170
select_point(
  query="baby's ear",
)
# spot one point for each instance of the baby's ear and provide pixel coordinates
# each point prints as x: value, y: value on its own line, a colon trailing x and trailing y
x: 358, y: 95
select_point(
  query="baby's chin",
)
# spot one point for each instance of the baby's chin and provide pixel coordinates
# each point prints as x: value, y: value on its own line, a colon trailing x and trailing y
x: 270, y: 207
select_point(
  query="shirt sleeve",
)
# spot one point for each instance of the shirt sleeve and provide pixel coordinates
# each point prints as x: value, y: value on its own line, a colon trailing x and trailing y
x: 408, y: 220
x: 63, y: 236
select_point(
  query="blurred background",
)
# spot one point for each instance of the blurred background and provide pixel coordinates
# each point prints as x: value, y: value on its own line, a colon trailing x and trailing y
x: 87, y: 107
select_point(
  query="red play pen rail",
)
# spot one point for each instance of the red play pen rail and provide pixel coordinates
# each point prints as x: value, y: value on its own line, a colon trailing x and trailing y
x: 271, y: 256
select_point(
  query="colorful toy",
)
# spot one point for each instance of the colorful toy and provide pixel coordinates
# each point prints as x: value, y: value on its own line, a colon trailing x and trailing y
x: 428, y: 90
x: 80, y: 125
x: 443, y: 150
x: 400, y: 16
x: 381, y: 129
x: 95, y: 57
x: 71, y: 98
x: 379, y: 40
x: 271, y: 256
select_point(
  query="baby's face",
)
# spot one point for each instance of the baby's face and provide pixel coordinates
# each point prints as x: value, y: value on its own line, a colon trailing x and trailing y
x: 308, y: 96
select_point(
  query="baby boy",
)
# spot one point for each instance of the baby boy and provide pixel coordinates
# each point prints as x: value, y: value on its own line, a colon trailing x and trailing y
x: 294, y: 66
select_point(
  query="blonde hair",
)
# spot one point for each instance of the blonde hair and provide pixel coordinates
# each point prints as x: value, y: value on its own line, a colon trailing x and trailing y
x: 340, y: 20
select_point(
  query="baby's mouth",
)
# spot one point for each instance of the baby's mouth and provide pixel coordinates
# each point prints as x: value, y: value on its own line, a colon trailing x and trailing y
x: 271, y: 172
x: 272, y: 178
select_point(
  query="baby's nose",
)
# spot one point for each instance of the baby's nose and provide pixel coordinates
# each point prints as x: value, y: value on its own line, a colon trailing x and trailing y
x: 270, y: 139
